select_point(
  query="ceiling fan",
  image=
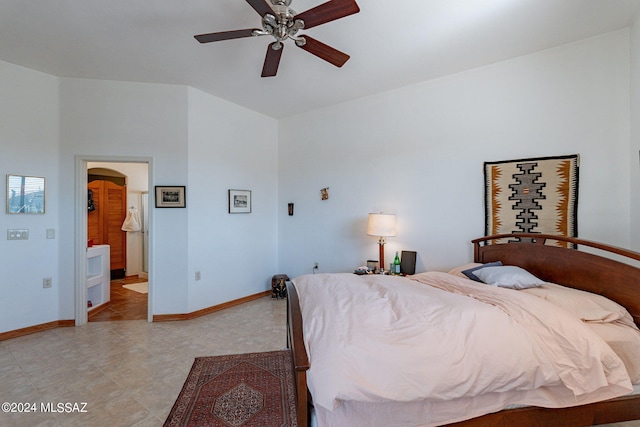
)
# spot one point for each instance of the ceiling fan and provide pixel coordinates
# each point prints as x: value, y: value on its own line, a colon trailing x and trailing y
x: 281, y: 22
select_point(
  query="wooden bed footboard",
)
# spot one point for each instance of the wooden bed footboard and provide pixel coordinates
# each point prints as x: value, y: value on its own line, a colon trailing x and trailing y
x: 618, y: 281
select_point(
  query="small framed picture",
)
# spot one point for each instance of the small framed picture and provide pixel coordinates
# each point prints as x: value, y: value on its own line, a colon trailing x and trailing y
x: 25, y: 194
x: 239, y: 201
x: 170, y: 196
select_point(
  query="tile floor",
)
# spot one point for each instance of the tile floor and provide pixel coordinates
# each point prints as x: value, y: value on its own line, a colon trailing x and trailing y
x: 125, y: 304
x: 128, y: 372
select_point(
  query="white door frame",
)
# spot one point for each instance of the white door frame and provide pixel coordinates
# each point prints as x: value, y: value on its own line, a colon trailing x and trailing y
x: 80, y: 252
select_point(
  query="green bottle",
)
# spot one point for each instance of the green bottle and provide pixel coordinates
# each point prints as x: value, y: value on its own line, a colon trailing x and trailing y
x: 396, y: 264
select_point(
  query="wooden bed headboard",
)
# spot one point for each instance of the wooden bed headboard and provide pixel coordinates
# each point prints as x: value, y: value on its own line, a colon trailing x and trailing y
x: 616, y: 280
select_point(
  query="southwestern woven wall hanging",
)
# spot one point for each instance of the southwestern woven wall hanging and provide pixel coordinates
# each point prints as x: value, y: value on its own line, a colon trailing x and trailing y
x: 538, y: 195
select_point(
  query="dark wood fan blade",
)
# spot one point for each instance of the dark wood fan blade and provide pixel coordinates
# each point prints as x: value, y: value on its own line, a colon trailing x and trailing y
x: 272, y: 60
x: 329, y: 11
x: 224, y: 35
x: 324, y: 51
x: 260, y: 6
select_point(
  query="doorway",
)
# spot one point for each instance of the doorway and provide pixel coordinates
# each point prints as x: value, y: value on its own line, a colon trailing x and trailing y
x: 127, y: 289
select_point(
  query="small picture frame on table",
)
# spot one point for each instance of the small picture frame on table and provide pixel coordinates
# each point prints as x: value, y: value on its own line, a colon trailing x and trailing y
x: 239, y: 201
x: 170, y: 196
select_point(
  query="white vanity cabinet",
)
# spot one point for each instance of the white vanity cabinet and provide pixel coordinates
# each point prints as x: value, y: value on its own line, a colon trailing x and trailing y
x: 98, y: 276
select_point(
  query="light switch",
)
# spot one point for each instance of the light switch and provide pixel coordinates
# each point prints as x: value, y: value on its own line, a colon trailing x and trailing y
x: 15, y: 234
x: 51, y: 233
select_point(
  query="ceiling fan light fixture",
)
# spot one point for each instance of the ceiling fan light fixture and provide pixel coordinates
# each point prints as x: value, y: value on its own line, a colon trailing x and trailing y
x: 281, y: 22
x: 282, y: 32
x: 283, y: 11
x: 298, y: 24
x: 280, y: 2
x: 269, y: 20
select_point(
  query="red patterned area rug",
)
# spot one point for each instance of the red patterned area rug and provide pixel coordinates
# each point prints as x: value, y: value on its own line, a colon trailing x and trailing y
x: 238, y: 390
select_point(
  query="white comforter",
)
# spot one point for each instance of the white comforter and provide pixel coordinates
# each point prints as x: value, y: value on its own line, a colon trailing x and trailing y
x: 382, y: 338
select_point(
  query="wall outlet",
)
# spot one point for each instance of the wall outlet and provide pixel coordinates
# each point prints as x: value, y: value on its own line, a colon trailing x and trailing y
x: 47, y: 282
x: 316, y: 266
x: 198, y: 277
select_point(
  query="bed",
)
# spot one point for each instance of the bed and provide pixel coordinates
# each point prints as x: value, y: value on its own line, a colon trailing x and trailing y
x: 588, y: 266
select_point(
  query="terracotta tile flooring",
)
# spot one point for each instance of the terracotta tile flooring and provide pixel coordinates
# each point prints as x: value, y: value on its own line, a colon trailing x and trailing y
x: 125, y: 304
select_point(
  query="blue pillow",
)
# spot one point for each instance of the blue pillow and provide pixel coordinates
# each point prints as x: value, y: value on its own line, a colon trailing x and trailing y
x: 469, y: 272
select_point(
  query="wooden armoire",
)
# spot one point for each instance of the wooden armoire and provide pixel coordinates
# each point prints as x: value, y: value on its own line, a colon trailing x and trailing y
x: 105, y: 222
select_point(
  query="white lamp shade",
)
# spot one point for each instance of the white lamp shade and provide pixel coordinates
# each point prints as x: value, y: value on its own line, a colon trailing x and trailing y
x: 381, y: 225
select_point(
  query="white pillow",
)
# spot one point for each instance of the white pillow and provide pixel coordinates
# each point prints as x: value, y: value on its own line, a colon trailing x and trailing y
x: 586, y: 306
x: 508, y: 276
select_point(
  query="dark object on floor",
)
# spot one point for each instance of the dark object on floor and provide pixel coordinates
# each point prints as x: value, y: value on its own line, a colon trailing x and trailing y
x: 241, y: 390
x: 118, y: 274
x: 279, y: 286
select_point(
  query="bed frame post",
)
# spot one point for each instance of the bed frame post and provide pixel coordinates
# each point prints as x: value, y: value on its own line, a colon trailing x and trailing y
x: 295, y: 342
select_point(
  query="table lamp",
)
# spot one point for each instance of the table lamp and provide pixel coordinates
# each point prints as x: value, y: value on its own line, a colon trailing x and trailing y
x: 381, y: 225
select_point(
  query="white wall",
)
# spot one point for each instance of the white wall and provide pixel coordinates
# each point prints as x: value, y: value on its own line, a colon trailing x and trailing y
x: 230, y: 147
x: 419, y: 152
x: 29, y: 146
x: 105, y: 118
x: 635, y: 134
x: 48, y: 123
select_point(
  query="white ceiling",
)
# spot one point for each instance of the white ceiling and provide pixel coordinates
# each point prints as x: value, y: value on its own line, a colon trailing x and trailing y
x: 391, y: 43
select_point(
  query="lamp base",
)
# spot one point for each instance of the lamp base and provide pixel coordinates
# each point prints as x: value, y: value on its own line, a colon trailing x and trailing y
x: 381, y: 250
